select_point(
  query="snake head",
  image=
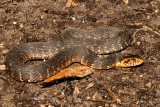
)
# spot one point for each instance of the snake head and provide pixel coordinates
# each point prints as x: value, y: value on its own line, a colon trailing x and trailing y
x: 130, y: 61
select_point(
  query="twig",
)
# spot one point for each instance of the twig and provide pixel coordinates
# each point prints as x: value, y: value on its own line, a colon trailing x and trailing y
x: 6, y: 2
x: 151, y: 30
x: 144, y: 28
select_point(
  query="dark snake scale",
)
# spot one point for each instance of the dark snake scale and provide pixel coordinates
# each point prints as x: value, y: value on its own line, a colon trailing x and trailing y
x: 76, y: 45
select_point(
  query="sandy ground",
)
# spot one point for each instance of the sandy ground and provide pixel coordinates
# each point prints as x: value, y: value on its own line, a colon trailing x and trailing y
x: 43, y: 20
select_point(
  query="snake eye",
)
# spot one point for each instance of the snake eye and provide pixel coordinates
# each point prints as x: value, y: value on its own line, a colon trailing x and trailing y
x: 134, y: 60
x: 128, y: 60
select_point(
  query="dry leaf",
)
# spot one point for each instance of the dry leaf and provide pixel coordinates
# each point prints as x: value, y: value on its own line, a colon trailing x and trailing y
x: 71, y: 3
x: 2, y: 67
x: 76, y: 91
x: 149, y: 85
x: 125, y: 1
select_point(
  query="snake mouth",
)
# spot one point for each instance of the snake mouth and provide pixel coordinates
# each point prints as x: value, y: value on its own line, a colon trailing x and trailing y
x: 130, y: 61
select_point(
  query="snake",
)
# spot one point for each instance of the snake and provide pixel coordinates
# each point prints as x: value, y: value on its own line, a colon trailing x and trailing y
x: 99, y: 49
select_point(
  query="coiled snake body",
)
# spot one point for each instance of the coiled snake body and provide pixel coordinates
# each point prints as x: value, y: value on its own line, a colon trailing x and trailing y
x: 76, y: 45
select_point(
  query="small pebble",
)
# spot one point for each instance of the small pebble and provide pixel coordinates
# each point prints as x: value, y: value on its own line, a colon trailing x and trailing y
x: 141, y: 76
x: 5, y: 51
x: 88, y: 98
x: 2, y: 45
x: 73, y: 18
x: 156, y: 10
x: 14, y: 22
x: 138, y: 43
x: 21, y: 25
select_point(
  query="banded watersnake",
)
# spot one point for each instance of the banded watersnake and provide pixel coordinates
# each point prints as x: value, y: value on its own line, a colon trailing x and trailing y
x: 76, y: 45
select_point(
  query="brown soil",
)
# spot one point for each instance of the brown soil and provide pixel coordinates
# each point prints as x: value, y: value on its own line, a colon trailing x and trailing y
x: 43, y: 20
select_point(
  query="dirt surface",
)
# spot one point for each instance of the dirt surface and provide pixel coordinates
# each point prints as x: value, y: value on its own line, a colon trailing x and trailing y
x: 43, y: 20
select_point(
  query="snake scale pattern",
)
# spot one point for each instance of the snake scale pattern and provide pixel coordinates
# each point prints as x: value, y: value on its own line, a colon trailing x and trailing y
x: 87, y: 47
